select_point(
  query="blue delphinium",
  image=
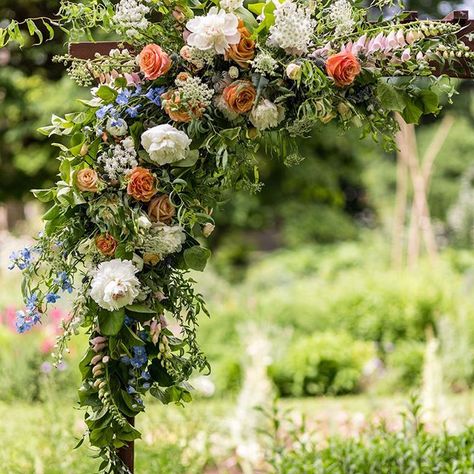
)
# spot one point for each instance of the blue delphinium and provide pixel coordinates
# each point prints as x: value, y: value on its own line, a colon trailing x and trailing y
x: 21, y: 259
x: 63, y: 282
x: 52, y: 298
x: 139, y: 358
x: 103, y: 111
x: 123, y: 97
x: 132, y: 111
x: 22, y: 322
x: 154, y: 95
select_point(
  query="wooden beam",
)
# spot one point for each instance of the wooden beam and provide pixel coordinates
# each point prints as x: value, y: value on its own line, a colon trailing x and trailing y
x: 88, y: 50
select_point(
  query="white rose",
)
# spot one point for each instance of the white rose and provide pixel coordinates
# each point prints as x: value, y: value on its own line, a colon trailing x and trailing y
x: 231, y: 5
x: 144, y: 222
x: 114, y: 284
x: 117, y: 127
x: 266, y: 115
x: 217, y: 30
x: 165, y: 144
x: 171, y: 239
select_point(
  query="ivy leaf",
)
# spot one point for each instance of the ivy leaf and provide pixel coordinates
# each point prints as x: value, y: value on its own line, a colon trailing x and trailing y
x: 390, y: 97
x: 430, y: 101
x: 110, y: 322
x: 412, y: 113
x: 43, y: 195
x: 196, y: 257
x: 107, y: 94
x: 159, y: 374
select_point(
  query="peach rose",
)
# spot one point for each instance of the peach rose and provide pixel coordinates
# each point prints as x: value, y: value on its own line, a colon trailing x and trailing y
x: 106, y: 244
x: 343, y: 68
x: 154, y: 62
x: 178, y: 111
x: 240, y: 96
x: 244, y: 51
x: 161, y: 210
x: 141, y: 184
x: 87, y: 180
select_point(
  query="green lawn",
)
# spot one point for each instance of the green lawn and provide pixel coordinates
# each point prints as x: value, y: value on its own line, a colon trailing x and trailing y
x: 38, y: 438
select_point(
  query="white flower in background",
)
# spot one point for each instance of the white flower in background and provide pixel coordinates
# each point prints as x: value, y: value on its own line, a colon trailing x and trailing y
x: 130, y: 17
x: 266, y: 115
x: 114, y: 284
x: 293, y: 28
x: 117, y: 127
x: 293, y: 71
x: 165, y: 144
x: 121, y: 159
x: 341, y: 16
x: 231, y: 5
x: 264, y: 64
x: 217, y: 30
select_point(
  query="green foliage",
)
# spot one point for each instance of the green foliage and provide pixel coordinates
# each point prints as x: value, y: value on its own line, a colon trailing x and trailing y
x: 326, y: 363
x: 413, y: 451
x: 405, y: 363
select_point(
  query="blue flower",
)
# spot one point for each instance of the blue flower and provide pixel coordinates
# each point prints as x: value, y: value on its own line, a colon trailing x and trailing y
x: 22, y: 323
x: 146, y: 375
x: 139, y: 358
x: 125, y: 360
x: 146, y: 385
x: 52, y: 298
x: 32, y: 303
x: 133, y: 111
x: 128, y: 321
x: 130, y: 389
x: 154, y: 95
x: 22, y: 259
x: 63, y: 281
x: 138, y: 90
x: 123, y: 97
x: 102, y: 112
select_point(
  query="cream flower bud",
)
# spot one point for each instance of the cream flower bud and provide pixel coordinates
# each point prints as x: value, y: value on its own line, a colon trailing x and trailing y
x: 208, y: 229
x: 410, y: 37
x: 233, y: 72
x: 293, y: 71
x: 401, y: 38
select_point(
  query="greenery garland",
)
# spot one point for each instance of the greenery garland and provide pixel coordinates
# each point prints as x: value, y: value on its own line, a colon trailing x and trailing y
x: 172, y: 123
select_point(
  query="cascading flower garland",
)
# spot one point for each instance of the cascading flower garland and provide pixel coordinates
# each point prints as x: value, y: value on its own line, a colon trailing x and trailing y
x: 174, y: 121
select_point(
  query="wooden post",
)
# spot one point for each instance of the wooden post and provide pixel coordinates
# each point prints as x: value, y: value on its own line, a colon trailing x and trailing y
x: 127, y: 453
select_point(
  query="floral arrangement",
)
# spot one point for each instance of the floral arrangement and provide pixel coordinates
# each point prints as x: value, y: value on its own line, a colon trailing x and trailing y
x: 176, y: 117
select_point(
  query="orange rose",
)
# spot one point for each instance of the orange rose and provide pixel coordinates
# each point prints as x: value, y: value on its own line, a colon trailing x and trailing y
x: 244, y: 51
x: 141, y: 184
x: 87, y: 180
x: 178, y: 111
x: 240, y: 96
x: 154, y: 62
x: 343, y: 68
x: 161, y: 210
x: 106, y: 244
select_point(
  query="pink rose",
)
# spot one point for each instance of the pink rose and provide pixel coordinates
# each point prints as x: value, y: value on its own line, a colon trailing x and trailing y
x: 154, y: 62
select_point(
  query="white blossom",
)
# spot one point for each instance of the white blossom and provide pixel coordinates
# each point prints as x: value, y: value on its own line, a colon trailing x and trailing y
x: 165, y: 144
x: 266, y: 115
x: 114, y: 284
x: 121, y: 159
x: 231, y: 5
x: 130, y: 17
x: 341, y: 16
x: 264, y: 64
x: 163, y: 240
x: 293, y: 28
x: 194, y: 92
x: 217, y: 30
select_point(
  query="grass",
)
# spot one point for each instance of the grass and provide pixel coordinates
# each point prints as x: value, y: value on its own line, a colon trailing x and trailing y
x: 39, y: 438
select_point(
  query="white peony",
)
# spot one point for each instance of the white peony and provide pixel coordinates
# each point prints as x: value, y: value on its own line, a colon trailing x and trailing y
x: 231, y: 5
x: 165, y: 144
x: 217, y: 30
x: 114, y: 284
x: 266, y: 115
